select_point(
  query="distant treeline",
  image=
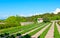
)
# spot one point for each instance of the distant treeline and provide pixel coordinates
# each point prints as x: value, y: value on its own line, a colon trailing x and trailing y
x: 12, y: 21
x: 50, y: 16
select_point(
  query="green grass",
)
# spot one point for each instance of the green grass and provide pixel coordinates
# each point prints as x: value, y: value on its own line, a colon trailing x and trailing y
x: 19, y: 28
x: 34, y: 32
x: 15, y: 29
x: 56, y: 33
x: 32, y: 28
x: 24, y: 29
x: 44, y: 32
x: 27, y: 30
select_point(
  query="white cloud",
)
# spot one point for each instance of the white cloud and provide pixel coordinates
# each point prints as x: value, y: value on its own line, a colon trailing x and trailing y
x: 56, y: 11
x: 31, y: 14
x: 37, y: 13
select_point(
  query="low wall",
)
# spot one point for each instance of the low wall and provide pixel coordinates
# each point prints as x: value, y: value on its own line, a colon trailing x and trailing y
x: 26, y: 23
x: 2, y: 23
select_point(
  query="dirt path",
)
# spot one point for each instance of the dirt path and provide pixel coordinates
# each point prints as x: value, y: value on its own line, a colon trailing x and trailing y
x: 38, y: 33
x: 58, y: 27
x: 50, y: 33
x: 32, y: 30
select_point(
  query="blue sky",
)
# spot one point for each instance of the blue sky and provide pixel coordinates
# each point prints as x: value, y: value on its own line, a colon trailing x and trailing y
x: 27, y: 7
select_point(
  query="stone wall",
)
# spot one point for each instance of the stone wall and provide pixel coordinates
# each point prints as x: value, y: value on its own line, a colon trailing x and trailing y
x: 26, y: 23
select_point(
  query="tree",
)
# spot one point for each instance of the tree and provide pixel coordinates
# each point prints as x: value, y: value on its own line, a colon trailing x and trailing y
x: 58, y: 12
x: 35, y: 20
x: 46, y: 19
x: 12, y: 21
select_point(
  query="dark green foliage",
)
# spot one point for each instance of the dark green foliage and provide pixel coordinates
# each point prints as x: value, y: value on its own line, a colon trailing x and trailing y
x: 35, y: 20
x: 12, y: 36
x: 2, y: 35
x: 58, y: 22
x: 6, y: 34
x: 8, y: 25
x: 46, y: 19
x: 26, y: 36
x: 8, y: 37
x: 18, y: 34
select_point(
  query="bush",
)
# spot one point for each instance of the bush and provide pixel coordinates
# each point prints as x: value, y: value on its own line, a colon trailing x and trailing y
x: 8, y: 25
x: 6, y: 34
x: 2, y: 35
x: 12, y: 36
x: 45, y: 19
x: 58, y: 22
x: 26, y: 36
x: 18, y: 34
x: 8, y: 37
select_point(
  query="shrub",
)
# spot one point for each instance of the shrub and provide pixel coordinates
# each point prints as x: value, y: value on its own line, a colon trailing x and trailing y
x: 18, y: 34
x: 6, y: 34
x: 12, y: 36
x: 26, y: 36
x: 45, y: 19
x: 58, y: 22
x: 2, y: 35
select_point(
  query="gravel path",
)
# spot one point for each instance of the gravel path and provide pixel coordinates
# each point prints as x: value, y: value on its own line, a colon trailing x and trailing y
x: 38, y: 33
x: 50, y: 33
x: 58, y: 27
